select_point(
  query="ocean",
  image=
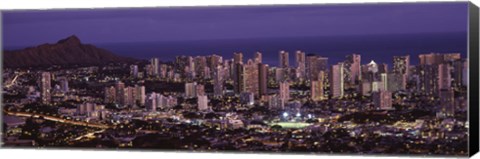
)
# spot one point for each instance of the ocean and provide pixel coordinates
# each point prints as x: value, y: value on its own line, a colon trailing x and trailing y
x: 380, y: 48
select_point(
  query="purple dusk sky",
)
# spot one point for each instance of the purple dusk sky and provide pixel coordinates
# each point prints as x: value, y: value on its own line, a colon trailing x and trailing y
x: 28, y: 28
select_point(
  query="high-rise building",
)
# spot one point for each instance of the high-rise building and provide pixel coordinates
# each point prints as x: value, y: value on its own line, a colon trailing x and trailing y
x: 317, y: 87
x: 247, y: 98
x: 447, y: 102
x: 258, y: 57
x: 300, y: 64
x: 444, y: 76
x: 213, y: 61
x: 284, y: 90
x: 129, y: 96
x: 134, y: 71
x: 190, y: 90
x: 428, y: 79
x: 465, y: 73
x: 383, y: 68
x: 154, y: 62
x: 190, y: 70
x: 401, y: 65
x: 366, y: 88
x: 200, y: 67
x: 396, y: 82
x: 279, y: 74
x: 314, y: 64
x: 200, y: 90
x: 382, y: 100
x: 120, y: 93
x: 460, y: 68
x: 86, y: 108
x: 237, y: 57
x: 151, y: 102
x: 140, y: 96
x: 283, y: 59
x: 262, y: 78
x: 110, y: 95
x: 46, y: 87
x: 163, y: 70
x: 437, y: 58
x: 251, y: 77
x: 202, y: 103
x: 383, y: 81
x: 276, y: 102
x: 181, y: 63
x: 238, y: 80
x: 218, y: 80
x: 353, y: 68
x: 336, y: 80
x: 64, y: 84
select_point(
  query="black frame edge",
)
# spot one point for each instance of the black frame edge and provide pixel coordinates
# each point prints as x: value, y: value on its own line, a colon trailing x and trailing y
x: 473, y: 53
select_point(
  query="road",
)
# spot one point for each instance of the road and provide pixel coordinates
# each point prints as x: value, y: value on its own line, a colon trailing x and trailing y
x: 57, y: 119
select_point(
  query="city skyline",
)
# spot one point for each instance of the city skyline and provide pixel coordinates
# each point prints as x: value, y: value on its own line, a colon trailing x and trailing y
x: 360, y: 79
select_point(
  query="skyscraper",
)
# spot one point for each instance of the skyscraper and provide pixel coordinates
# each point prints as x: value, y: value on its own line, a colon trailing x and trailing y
x: 155, y: 66
x: 151, y: 103
x: 202, y: 103
x: 284, y: 91
x: 258, y: 57
x: 134, y: 71
x: 190, y: 90
x: 110, y: 95
x: 447, y: 102
x: 352, y: 65
x: 200, y: 66
x: 382, y: 100
x: 336, y: 80
x: 218, y: 80
x: 383, y: 81
x: 251, y: 77
x: 238, y: 81
x: 120, y: 93
x: 317, y: 87
x: 200, y: 90
x: 437, y: 58
x: 64, y: 84
x: 283, y: 59
x: 140, y: 96
x: 428, y: 79
x: 383, y: 68
x: 460, y: 68
x: 262, y: 78
x: 46, y: 87
x: 444, y: 76
x: 129, y: 97
x: 300, y: 64
x: 237, y: 57
x: 279, y: 74
x: 401, y: 65
x: 396, y: 82
x: 314, y: 64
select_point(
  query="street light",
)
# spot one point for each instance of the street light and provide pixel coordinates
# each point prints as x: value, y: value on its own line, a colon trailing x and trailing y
x: 285, y: 114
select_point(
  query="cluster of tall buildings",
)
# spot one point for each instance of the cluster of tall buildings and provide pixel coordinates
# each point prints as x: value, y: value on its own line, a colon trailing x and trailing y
x: 157, y: 100
x: 437, y: 75
x: 129, y: 96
